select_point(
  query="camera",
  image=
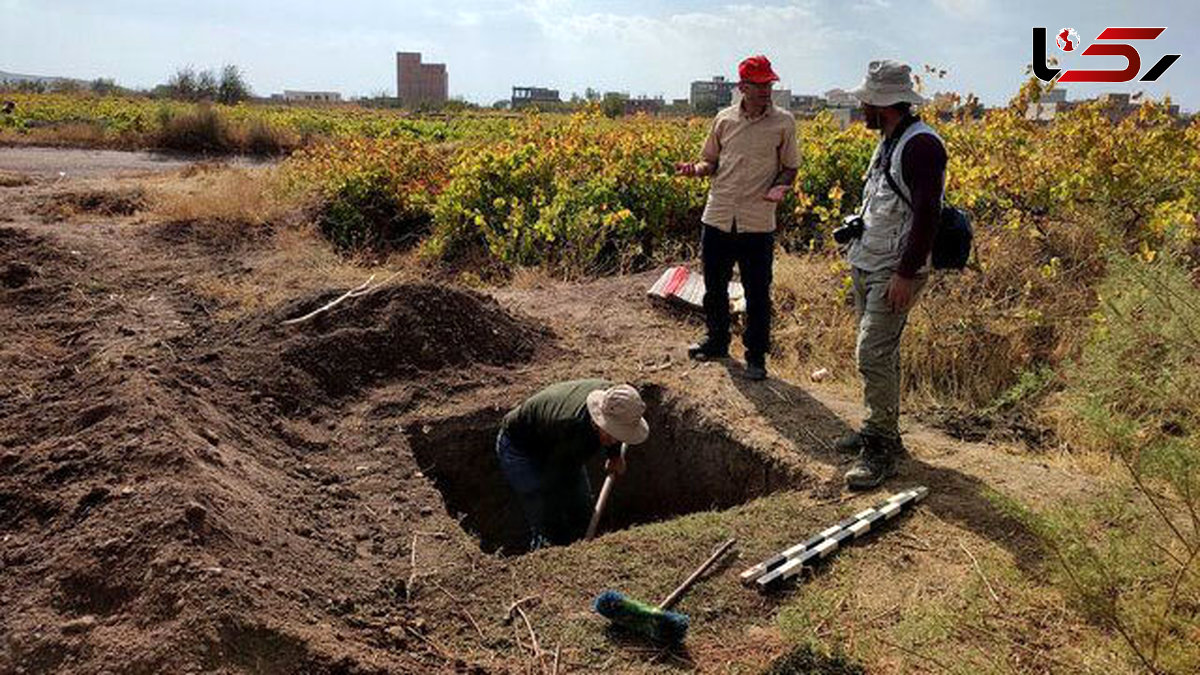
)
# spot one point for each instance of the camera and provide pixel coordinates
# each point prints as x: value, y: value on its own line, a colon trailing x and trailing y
x: 851, y: 229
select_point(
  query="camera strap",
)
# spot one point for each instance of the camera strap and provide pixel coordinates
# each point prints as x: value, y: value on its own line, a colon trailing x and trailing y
x: 887, y: 175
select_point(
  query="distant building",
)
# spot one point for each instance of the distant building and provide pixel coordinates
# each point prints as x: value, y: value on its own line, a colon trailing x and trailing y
x: 523, y: 97
x: 846, y: 116
x: 418, y: 83
x: 782, y: 98
x: 642, y: 104
x: 1117, y: 107
x: 840, y: 98
x: 308, y: 96
x: 1114, y: 106
x: 709, y: 96
x: 1056, y: 95
x: 806, y: 103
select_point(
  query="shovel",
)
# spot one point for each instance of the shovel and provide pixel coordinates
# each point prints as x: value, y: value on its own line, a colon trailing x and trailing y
x: 602, y: 501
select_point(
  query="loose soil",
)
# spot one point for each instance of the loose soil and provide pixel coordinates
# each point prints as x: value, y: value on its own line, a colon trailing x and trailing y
x: 184, y: 493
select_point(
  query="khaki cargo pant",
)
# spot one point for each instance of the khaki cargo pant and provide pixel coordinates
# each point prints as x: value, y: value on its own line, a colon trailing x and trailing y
x: 877, y: 351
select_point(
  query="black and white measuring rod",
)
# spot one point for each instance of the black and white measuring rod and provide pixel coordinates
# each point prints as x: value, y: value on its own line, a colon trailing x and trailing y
x: 786, y: 564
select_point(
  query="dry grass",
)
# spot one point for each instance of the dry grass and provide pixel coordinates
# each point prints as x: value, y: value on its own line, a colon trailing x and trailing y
x: 11, y: 179
x: 93, y: 198
x: 933, y: 598
x: 971, y: 336
x: 228, y: 207
x: 260, y: 138
x: 814, y: 325
x: 295, y: 261
x: 71, y: 135
x: 215, y: 192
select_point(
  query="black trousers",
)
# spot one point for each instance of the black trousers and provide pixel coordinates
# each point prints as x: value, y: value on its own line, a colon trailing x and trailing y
x: 754, y: 253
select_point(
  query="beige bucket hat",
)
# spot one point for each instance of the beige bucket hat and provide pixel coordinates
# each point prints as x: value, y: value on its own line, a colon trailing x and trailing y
x: 887, y: 82
x: 618, y: 410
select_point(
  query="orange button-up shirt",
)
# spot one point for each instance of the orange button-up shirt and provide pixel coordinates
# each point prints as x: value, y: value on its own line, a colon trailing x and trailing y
x: 749, y: 153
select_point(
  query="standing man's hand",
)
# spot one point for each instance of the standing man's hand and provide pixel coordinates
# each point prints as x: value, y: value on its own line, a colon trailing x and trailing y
x: 692, y: 169
x: 615, y: 465
x: 777, y: 193
x: 900, y: 292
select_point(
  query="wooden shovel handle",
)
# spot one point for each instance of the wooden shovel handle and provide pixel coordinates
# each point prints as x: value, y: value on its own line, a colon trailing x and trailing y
x: 678, y: 592
x: 602, y: 501
x: 600, y: 504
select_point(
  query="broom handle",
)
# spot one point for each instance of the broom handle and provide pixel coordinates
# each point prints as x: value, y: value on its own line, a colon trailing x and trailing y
x: 678, y: 592
x: 602, y: 501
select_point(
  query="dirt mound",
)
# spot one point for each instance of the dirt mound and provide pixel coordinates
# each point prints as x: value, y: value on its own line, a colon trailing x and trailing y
x: 975, y: 426
x: 9, y: 179
x: 149, y: 515
x: 121, y: 202
x: 31, y: 272
x: 394, y: 332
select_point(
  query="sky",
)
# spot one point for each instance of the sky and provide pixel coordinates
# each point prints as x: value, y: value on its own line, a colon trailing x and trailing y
x: 639, y: 47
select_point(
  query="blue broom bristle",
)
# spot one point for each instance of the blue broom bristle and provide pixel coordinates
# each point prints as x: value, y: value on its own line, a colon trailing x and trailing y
x: 643, y: 619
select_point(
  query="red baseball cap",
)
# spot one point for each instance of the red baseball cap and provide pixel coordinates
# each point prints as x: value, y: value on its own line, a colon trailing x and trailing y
x: 757, y: 69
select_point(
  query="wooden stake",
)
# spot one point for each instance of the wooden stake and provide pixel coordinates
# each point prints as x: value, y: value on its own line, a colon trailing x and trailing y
x: 348, y: 294
x: 678, y: 592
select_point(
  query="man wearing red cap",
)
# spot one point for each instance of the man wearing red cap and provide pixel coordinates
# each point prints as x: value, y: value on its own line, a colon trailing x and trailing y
x: 751, y: 155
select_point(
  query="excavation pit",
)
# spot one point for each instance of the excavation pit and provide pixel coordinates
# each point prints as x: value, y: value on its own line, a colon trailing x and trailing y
x: 685, y: 466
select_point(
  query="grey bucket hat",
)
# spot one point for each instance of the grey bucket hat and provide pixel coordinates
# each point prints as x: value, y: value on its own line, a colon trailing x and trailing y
x: 618, y: 410
x: 887, y: 82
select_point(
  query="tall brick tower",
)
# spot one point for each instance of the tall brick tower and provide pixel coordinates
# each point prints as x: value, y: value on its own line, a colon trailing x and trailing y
x: 418, y: 82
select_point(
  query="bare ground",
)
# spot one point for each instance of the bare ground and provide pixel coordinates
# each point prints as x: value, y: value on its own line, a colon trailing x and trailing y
x: 187, y: 485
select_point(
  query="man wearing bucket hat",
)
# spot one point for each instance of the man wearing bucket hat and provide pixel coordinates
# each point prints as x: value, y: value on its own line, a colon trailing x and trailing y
x: 889, y: 257
x: 751, y: 154
x: 544, y: 444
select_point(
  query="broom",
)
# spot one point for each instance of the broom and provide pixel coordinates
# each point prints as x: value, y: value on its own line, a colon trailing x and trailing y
x: 655, y: 623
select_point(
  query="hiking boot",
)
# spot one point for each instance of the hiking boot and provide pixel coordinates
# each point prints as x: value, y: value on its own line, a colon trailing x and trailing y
x: 707, y: 350
x: 875, y: 464
x: 756, y: 369
x: 850, y: 444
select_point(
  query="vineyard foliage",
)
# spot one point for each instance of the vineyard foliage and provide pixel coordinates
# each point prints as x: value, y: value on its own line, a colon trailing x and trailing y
x: 137, y: 121
x: 584, y: 194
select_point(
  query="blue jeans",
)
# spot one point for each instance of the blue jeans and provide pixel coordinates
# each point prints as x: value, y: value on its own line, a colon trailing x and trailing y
x: 557, y: 502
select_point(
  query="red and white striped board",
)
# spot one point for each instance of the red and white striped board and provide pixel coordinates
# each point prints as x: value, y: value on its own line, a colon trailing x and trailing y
x: 681, y: 285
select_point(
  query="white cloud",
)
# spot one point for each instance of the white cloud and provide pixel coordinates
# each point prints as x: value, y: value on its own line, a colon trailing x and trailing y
x: 962, y: 8
x: 872, y: 5
x: 666, y: 51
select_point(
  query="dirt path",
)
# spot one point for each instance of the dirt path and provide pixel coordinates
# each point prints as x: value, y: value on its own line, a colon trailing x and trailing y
x: 188, y: 494
x: 53, y: 163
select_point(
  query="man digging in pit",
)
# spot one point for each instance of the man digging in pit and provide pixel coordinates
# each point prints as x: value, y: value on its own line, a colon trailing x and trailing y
x: 545, y: 442
x: 751, y: 155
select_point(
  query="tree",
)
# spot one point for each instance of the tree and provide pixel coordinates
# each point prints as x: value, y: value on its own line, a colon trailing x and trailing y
x: 613, y: 104
x: 206, y: 86
x: 104, y: 86
x: 232, y: 88
x: 182, y: 85
x: 64, y: 86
